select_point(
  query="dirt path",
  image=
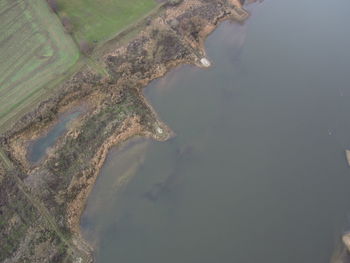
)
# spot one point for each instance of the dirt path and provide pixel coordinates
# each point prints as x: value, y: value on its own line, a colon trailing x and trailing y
x: 76, y: 254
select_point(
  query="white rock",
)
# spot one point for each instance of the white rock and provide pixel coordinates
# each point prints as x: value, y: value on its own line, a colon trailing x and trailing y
x: 205, y: 62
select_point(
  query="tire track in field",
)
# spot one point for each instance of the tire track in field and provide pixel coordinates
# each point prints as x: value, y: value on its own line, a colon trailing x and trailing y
x: 10, y: 72
x: 14, y: 5
x: 40, y: 67
x: 7, y: 34
x: 7, y: 38
x: 30, y: 64
x: 29, y: 75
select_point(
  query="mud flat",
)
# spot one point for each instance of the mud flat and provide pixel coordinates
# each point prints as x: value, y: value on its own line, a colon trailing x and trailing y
x: 116, y: 111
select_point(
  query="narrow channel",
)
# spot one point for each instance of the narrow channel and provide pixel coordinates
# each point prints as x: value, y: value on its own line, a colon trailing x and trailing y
x: 257, y: 172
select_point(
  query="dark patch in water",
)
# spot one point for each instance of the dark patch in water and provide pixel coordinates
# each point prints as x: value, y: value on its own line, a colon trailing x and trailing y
x: 175, y: 177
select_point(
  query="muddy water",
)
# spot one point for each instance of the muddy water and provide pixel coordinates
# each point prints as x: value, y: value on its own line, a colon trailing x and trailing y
x: 38, y: 148
x: 257, y: 172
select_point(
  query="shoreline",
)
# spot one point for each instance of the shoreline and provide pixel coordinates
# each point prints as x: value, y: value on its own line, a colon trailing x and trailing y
x: 116, y: 108
x: 139, y: 130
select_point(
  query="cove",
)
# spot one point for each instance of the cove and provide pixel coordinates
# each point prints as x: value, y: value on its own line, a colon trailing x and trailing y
x: 257, y: 171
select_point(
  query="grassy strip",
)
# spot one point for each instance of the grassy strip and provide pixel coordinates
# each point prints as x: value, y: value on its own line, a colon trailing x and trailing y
x: 96, y: 21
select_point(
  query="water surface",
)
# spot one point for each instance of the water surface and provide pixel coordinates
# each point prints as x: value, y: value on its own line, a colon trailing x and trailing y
x: 38, y: 148
x: 257, y: 172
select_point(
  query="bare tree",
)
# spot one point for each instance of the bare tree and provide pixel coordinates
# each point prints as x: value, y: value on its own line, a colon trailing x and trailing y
x: 85, y: 47
x: 53, y: 5
x: 174, y: 2
x: 67, y: 24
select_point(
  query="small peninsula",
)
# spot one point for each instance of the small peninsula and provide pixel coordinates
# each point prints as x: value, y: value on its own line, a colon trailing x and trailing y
x: 42, y: 202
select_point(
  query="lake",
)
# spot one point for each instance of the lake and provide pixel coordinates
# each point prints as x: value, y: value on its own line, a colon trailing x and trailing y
x: 257, y: 171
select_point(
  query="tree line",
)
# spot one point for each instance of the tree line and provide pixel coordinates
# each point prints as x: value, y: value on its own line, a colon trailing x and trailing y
x: 84, y: 46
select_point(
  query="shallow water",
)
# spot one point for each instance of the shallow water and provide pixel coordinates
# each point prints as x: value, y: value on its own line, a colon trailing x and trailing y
x: 38, y: 148
x: 257, y: 172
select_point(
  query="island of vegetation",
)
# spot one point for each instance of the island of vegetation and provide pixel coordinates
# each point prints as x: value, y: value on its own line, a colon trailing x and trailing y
x: 60, y: 56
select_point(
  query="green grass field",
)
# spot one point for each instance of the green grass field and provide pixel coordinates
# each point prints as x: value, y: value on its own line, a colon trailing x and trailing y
x: 98, y: 20
x: 34, y: 51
